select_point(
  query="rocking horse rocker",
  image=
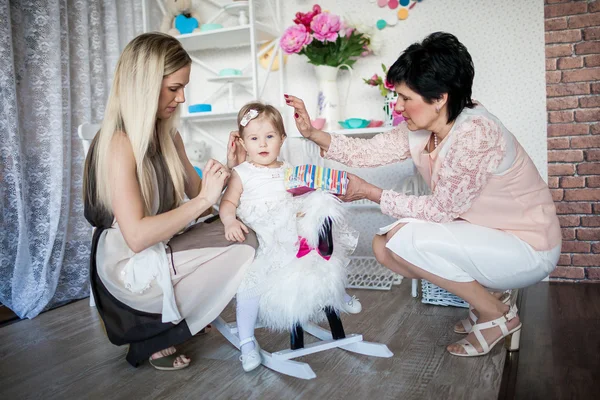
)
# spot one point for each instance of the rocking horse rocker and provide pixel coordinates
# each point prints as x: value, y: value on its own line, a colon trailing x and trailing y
x: 310, y: 290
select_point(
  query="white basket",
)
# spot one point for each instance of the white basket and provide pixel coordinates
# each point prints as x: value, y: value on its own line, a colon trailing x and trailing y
x: 367, y: 273
x: 432, y: 294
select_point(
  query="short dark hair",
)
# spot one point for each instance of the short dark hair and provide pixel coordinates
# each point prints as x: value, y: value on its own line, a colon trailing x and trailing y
x: 439, y: 64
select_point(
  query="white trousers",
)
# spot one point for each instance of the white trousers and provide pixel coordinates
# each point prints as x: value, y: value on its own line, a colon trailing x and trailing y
x: 463, y: 252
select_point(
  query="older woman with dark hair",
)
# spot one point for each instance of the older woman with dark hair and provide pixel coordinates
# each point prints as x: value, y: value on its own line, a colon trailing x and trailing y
x: 489, y: 223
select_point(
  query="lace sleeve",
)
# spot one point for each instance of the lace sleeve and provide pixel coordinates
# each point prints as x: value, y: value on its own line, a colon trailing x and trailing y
x: 475, y: 154
x: 385, y: 148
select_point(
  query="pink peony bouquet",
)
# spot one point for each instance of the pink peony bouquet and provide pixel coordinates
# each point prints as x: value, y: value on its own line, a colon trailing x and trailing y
x: 325, y: 39
x: 381, y: 82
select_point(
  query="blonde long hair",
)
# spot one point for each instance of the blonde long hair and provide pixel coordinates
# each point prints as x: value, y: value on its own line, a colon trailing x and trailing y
x: 131, y: 108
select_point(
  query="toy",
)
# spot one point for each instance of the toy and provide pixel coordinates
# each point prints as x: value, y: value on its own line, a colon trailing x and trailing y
x: 197, y: 152
x: 305, y: 178
x: 180, y: 18
x: 310, y: 290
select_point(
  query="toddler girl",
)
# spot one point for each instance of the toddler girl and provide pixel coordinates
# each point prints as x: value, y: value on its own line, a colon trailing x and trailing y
x: 286, y: 286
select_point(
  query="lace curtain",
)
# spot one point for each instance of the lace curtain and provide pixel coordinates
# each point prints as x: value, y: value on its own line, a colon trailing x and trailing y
x: 57, y: 58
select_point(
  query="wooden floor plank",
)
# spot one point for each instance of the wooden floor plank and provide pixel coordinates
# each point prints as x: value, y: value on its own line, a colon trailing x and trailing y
x: 64, y: 354
x: 560, y: 342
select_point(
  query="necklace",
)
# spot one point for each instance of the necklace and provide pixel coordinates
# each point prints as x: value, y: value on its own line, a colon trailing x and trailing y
x: 435, y: 141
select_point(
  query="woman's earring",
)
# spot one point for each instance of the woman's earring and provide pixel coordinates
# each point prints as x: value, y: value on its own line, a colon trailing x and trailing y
x: 437, y: 109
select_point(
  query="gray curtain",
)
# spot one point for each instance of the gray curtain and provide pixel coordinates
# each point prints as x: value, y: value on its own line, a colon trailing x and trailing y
x: 57, y: 58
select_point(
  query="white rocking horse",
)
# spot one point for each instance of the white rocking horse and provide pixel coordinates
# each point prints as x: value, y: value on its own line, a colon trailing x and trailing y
x: 319, y: 211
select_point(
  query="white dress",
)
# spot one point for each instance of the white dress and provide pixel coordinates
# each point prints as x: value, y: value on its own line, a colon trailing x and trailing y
x: 292, y: 290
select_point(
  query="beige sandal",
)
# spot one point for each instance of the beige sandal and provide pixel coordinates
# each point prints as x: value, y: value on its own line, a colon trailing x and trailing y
x: 513, y: 336
x: 167, y: 363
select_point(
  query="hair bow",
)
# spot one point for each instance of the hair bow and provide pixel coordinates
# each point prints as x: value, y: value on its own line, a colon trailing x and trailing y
x: 249, y: 116
x: 305, y: 248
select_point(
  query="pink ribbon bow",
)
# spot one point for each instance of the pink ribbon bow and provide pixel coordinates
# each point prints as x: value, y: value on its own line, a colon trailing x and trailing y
x: 305, y: 248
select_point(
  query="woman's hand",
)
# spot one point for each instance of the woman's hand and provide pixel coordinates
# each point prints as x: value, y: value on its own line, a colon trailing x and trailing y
x: 300, y: 115
x: 359, y: 189
x: 234, y: 230
x: 214, y: 176
x: 236, y: 154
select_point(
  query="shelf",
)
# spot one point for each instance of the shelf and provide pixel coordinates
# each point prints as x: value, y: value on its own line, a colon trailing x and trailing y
x: 232, y: 78
x: 211, y: 116
x: 235, y: 36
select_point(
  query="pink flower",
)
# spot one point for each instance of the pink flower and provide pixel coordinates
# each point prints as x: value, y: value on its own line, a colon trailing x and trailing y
x: 389, y: 86
x: 306, y: 18
x: 294, y: 39
x: 325, y: 27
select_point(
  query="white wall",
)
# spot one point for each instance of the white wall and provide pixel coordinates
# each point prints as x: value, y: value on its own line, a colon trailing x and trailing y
x: 505, y: 39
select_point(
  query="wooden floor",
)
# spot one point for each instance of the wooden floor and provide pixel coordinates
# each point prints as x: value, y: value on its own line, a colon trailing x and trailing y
x: 64, y: 354
x: 560, y: 344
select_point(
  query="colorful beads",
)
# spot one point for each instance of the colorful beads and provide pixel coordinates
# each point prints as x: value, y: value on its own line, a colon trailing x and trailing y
x: 402, y: 13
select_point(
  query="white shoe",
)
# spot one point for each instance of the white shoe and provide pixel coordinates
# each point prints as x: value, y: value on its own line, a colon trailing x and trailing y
x: 353, y: 306
x: 252, y: 359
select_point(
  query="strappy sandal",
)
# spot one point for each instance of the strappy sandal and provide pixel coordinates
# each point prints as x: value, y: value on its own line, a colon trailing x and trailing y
x: 466, y: 323
x: 513, y: 336
x: 167, y: 363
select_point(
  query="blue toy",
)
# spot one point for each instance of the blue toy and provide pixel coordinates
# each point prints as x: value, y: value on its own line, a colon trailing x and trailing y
x: 185, y: 24
x: 199, y: 171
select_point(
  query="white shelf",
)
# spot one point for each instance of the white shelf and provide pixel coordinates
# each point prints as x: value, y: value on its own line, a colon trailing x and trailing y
x: 232, y: 78
x: 235, y: 36
x: 211, y: 116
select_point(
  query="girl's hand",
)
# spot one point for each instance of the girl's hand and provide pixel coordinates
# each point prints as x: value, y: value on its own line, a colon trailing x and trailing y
x: 234, y: 230
x: 214, y: 176
x: 300, y: 115
x: 236, y: 154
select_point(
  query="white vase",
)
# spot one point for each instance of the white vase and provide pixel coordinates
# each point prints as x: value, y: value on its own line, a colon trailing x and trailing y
x: 388, y: 108
x: 329, y: 104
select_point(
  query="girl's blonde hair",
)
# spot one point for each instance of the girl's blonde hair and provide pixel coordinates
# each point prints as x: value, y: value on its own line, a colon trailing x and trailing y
x: 264, y: 111
x: 132, y: 109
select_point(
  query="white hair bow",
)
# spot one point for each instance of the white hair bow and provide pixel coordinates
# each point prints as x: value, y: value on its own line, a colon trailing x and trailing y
x: 249, y: 116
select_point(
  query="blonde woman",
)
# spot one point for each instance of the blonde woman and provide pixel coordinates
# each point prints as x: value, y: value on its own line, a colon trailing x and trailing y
x: 155, y: 286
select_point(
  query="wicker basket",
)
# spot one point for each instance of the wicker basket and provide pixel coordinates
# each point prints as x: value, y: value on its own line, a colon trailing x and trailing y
x: 367, y: 273
x: 432, y: 294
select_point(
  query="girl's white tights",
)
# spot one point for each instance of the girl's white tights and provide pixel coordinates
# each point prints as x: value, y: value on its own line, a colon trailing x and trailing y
x: 246, y: 314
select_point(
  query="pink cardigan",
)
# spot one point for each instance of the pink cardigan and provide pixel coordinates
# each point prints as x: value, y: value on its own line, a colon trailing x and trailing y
x: 478, y: 173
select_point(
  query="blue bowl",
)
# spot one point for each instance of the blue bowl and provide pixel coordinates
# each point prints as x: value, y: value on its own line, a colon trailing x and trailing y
x: 230, y: 72
x: 199, y: 108
x: 210, y: 27
x: 354, y: 123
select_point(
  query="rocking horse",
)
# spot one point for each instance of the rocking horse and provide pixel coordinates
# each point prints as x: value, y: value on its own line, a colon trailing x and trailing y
x: 320, y: 210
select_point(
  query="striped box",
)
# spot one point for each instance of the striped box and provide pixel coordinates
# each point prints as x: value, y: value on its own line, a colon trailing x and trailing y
x: 305, y: 178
